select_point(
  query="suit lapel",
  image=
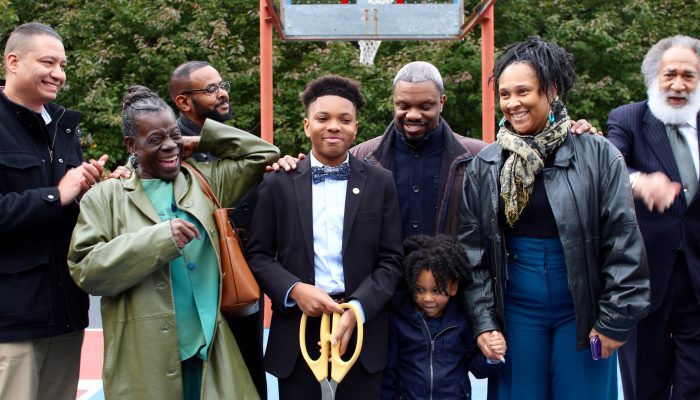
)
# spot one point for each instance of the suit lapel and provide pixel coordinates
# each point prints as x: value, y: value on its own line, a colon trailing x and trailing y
x: 353, y: 196
x: 302, y: 191
x: 697, y: 130
x: 655, y: 134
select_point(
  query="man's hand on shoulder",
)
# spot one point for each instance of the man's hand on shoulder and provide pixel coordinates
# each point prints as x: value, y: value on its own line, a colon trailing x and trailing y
x: 287, y: 163
x: 583, y: 126
x: 120, y: 172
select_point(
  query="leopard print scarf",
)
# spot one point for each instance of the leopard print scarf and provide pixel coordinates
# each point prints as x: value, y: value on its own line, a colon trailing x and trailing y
x: 526, y: 160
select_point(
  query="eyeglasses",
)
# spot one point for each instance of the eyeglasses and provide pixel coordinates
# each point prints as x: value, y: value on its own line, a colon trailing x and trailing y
x: 211, y: 89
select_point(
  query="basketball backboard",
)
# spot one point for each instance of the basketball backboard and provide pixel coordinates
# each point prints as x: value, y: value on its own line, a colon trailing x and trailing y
x: 371, y: 19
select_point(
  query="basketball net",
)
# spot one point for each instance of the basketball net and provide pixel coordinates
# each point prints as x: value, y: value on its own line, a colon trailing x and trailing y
x: 369, y: 48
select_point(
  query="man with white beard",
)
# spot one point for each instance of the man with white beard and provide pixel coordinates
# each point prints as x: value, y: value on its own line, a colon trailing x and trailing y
x: 659, y: 140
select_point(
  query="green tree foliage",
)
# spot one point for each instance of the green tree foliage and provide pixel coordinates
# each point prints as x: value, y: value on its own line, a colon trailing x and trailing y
x: 113, y: 44
x: 607, y: 38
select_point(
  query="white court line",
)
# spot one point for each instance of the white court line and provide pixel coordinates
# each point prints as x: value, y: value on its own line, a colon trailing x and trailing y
x: 91, y: 387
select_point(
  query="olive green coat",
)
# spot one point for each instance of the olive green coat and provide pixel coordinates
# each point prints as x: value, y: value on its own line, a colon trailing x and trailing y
x: 121, y: 251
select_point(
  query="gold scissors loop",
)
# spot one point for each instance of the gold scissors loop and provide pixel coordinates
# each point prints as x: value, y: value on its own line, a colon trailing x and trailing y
x: 339, y: 367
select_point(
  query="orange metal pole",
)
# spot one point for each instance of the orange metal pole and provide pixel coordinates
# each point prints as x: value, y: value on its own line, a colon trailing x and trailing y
x: 266, y: 105
x: 488, y: 105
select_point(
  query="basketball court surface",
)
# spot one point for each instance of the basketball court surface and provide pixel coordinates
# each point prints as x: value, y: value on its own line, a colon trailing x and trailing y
x: 90, y: 385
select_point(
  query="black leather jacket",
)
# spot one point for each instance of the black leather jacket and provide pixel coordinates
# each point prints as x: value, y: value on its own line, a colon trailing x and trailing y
x: 589, y: 192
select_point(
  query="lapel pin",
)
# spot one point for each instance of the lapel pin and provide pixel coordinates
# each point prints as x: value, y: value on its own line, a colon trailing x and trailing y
x: 356, y: 190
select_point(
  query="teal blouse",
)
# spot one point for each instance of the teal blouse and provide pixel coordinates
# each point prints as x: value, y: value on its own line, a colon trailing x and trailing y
x: 195, y: 276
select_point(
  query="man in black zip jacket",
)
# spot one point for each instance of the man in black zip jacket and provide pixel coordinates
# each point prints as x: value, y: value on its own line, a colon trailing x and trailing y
x: 42, y: 177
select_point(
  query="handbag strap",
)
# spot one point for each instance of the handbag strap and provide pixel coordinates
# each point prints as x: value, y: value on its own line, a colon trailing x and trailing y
x: 203, y: 182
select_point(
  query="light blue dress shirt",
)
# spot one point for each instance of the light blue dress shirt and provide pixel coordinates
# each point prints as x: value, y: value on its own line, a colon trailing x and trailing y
x: 328, y: 211
x: 328, y: 207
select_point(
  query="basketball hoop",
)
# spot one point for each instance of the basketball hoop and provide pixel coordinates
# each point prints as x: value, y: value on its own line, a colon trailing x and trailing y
x: 369, y: 48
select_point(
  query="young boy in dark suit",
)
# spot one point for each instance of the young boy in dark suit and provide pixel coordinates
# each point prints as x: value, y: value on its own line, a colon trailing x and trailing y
x: 328, y: 231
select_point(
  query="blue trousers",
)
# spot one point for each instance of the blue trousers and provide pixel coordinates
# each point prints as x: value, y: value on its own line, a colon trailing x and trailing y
x: 541, y: 361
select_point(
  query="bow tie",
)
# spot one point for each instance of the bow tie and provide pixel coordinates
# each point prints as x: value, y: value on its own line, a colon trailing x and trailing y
x: 340, y: 173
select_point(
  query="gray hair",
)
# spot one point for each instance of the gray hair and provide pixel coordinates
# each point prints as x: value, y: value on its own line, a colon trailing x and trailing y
x: 652, y: 60
x: 18, y: 40
x: 138, y: 101
x: 420, y: 71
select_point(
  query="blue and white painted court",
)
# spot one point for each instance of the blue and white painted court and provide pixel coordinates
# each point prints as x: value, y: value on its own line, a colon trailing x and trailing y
x: 90, y: 385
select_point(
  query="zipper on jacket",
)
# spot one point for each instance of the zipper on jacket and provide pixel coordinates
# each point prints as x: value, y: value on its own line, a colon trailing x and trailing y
x: 55, y: 133
x: 497, y: 267
x: 592, y: 304
x: 432, y: 350
x: 501, y: 266
x: 494, y: 223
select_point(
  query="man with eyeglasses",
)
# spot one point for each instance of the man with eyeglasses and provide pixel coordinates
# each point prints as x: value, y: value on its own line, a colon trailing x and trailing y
x: 199, y: 92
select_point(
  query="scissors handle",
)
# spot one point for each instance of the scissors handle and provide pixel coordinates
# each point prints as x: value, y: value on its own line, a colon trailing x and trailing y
x: 318, y: 366
x: 341, y: 367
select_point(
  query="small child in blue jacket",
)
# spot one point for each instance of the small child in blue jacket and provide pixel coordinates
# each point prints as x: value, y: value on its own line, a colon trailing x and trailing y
x: 432, y: 347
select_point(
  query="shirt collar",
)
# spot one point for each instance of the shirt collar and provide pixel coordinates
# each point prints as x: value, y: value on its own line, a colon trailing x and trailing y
x: 45, y: 115
x: 316, y: 163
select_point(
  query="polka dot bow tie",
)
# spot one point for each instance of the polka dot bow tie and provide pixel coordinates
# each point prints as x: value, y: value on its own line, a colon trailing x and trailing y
x: 340, y: 173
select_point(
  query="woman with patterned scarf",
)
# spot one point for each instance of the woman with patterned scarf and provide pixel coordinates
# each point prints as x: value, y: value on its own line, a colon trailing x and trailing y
x: 556, y: 259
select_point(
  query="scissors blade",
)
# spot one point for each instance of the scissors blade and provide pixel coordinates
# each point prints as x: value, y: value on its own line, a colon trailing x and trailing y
x: 328, y: 388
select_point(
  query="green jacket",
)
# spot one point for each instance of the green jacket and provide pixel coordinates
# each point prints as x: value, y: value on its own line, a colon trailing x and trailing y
x: 121, y: 251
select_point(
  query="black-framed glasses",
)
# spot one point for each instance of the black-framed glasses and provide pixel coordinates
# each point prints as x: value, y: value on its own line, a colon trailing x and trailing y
x: 211, y: 89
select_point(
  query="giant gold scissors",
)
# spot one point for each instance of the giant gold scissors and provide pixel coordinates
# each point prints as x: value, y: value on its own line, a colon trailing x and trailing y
x: 339, y: 367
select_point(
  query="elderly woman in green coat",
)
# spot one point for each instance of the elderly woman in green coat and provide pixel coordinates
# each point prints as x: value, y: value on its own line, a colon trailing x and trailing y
x: 148, y: 244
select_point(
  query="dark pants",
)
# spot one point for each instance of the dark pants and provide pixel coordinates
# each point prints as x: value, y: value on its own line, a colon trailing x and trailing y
x: 192, y: 378
x: 248, y: 332
x: 302, y: 385
x: 661, y: 359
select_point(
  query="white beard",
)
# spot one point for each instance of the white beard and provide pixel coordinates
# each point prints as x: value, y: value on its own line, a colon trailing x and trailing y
x: 669, y: 114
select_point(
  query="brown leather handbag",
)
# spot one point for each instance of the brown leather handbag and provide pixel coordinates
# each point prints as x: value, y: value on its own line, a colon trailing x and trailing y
x: 240, y: 292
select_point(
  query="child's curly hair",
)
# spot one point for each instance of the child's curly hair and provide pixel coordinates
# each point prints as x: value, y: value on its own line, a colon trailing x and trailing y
x: 441, y: 254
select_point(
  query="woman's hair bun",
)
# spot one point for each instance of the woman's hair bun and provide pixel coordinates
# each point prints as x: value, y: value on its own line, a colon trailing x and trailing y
x: 135, y: 94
